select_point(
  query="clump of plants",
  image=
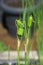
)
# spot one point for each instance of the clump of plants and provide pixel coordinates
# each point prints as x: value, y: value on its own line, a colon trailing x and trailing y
x: 24, y: 29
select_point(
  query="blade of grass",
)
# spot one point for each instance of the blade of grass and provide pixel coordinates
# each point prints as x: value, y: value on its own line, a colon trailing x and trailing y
x: 24, y: 18
x: 23, y: 2
x: 38, y: 44
x: 30, y: 5
x: 18, y: 61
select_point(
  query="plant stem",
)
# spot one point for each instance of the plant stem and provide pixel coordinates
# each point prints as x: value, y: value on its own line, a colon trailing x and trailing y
x: 18, y: 49
x: 25, y: 55
x: 24, y: 18
x: 8, y: 53
x: 18, y: 57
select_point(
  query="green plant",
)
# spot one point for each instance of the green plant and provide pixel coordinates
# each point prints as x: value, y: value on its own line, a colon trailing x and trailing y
x: 38, y: 18
x: 3, y: 47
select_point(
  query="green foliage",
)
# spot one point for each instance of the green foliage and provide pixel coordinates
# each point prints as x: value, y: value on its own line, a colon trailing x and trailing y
x: 38, y: 17
x: 38, y: 22
x: 3, y: 47
x: 5, y: 64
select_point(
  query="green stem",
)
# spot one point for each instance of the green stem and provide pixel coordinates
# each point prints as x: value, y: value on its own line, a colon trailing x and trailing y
x: 8, y: 53
x: 24, y: 17
x: 25, y: 59
x: 18, y: 57
x: 23, y: 3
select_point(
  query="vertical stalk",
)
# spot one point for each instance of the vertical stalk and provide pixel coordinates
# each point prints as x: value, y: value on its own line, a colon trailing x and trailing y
x: 30, y: 4
x: 23, y: 3
x: 8, y: 53
x: 18, y: 63
x: 24, y: 18
x: 28, y: 45
x: 18, y: 49
x: 25, y: 55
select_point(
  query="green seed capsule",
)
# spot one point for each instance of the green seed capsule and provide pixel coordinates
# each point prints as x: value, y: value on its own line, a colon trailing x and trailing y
x: 19, y: 23
x: 20, y: 31
x: 30, y: 21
